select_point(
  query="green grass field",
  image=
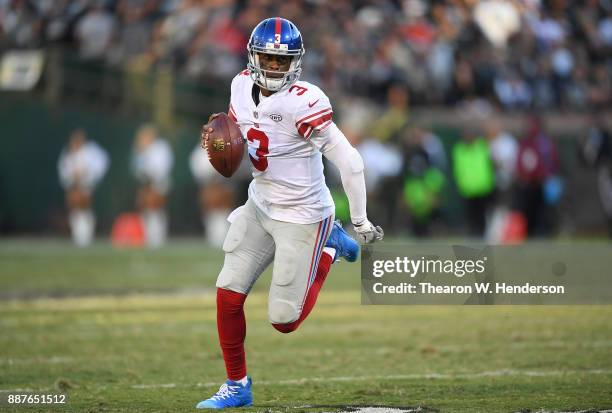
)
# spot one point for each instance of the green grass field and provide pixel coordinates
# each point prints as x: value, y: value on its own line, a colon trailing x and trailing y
x: 135, y: 331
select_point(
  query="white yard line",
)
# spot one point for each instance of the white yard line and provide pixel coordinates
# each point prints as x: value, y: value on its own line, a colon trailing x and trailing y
x: 11, y: 361
x: 336, y: 379
x: 155, y: 386
x: 495, y: 373
x: 22, y: 390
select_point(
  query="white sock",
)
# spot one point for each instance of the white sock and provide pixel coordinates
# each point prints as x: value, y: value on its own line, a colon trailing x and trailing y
x: 330, y: 251
x: 243, y: 380
x: 155, y: 224
x: 82, y: 224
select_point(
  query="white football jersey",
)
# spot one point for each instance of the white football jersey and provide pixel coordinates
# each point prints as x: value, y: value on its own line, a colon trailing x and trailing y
x: 284, y: 144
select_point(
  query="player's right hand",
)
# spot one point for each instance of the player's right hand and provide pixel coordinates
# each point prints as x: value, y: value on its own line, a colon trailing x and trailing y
x: 206, y: 130
x: 368, y: 233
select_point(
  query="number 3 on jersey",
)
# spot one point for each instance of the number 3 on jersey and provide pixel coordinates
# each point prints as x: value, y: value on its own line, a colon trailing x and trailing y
x: 259, y: 160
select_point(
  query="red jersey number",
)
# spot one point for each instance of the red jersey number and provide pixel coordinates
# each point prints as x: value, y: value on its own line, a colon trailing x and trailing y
x: 260, y: 162
x: 300, y: 90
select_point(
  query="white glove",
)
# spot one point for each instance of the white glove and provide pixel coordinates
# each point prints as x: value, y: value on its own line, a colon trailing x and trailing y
x: 368, y: 233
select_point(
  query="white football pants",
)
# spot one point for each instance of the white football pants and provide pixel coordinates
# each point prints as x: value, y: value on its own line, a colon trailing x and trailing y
x: 254, y: 240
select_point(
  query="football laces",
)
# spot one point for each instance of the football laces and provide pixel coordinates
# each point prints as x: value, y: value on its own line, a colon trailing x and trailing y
x: 205, y: 144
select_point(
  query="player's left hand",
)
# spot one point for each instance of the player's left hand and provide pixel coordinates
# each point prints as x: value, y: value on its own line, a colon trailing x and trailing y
x: 368, y: 233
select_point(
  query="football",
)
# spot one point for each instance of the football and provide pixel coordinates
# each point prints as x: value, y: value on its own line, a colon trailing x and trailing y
x: 225, y: 145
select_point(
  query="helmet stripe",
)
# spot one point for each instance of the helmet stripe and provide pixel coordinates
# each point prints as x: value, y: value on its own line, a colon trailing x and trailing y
x: 277, y: 30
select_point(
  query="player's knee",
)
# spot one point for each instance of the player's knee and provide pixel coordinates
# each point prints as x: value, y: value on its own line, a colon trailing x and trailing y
x: 282, y: 312
x: 286, y: 328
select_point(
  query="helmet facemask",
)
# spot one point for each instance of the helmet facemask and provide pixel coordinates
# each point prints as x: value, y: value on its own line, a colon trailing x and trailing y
x: 266, y: 79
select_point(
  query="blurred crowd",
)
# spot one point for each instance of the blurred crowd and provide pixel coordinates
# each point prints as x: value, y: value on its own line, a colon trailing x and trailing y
x: 516, y: 54
x: 488, y: 182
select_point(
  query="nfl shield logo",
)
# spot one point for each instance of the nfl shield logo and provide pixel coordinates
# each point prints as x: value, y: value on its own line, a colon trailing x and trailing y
x: 218, y: 145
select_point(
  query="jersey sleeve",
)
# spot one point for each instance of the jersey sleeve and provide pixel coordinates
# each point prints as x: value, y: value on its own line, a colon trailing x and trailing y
x: 236, y: 84
x: 314, y: 114
x: 231, y: 113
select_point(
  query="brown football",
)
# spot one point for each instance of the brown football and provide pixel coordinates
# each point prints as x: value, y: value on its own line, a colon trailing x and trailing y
x: 225, y: 145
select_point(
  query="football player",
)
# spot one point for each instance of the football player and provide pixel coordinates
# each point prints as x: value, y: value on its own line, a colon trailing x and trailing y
x: 289, y: 215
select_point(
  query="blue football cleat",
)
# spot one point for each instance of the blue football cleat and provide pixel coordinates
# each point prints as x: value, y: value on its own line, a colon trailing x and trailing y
x: 230, y: 394
x: 346, y: 247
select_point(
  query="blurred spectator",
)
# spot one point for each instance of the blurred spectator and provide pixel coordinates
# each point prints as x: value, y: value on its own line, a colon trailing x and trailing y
x: 512, y: 91
x: 94, y: 32
x: 604, y: 31
x: 20, y: 23
x: 562, y: 63
x: 475, y: 179
x: 58, y: 17
x: 498, y: 20
x: 596, y: 150
x: 538, y: 183
x: 172, y: 35
x: 216, y: 197
x: 82, y: 164
x: 137, y: 17
x: 600, y: 87
x: 504, y: 151
x: 423, y: 179
x: 218, y: 50
x: 550, y: 28
x: 383, y: 163
x: 392, y: 122
x: 152, y: 164
x: 430, y: 144
x: 383, y: 167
